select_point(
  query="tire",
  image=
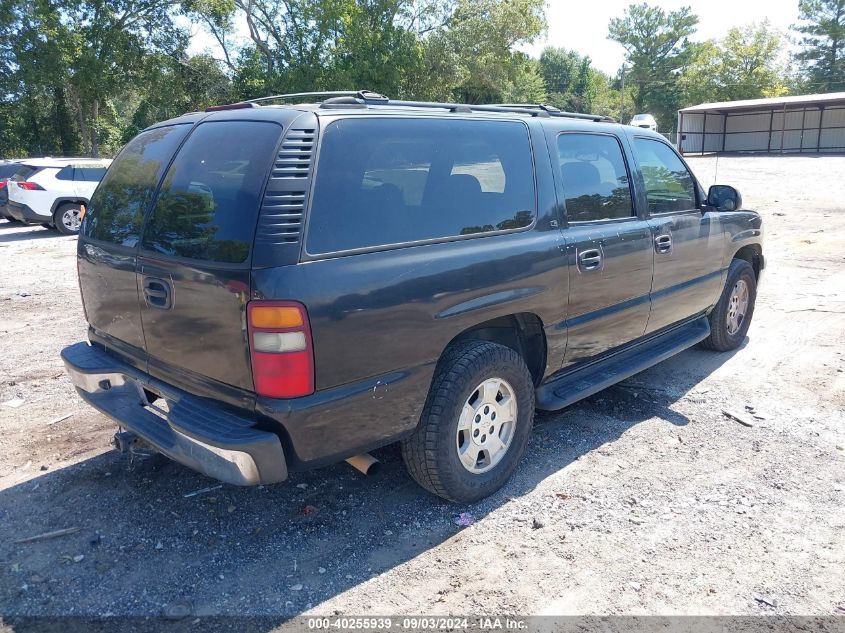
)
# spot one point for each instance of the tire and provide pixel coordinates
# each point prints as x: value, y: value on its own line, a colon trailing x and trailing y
x: 723, y: 337
x: 432, y: 454
x: 62, y: 223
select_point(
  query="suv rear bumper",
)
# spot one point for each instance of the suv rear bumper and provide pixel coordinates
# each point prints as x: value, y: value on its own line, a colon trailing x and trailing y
x: 198, y: 433
x: 25, y: 213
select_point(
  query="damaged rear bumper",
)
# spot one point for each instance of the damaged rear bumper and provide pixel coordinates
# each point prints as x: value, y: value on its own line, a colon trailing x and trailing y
x: 201, y: 434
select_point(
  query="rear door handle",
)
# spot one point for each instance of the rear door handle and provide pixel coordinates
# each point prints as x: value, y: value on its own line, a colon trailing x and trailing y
x: 157, y: 293
x: 589, y: 259
x: 663, y: 243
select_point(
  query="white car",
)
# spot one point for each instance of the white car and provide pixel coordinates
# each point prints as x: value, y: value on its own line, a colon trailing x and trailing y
x: 644, y: 121
x: 53, y: 191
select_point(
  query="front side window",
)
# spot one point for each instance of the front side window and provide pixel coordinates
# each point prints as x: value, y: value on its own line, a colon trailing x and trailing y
x: 595, y: 180
x: 208, y: 203
x: 117, y: 207
x: 669, y: 185
x: 392, y: 181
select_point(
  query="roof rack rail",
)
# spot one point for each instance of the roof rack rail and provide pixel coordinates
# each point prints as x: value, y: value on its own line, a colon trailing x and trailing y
x: 540, y: 106
x: 346, y: 98
x: 460, y: 107
x: 366, y: 95
x: 554, y: 111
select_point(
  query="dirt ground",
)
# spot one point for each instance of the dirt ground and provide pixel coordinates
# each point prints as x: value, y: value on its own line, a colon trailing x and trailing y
x: 643, y: 499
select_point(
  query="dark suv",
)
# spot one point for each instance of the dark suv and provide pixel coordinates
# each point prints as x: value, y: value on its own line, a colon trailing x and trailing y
x: 282, y: 287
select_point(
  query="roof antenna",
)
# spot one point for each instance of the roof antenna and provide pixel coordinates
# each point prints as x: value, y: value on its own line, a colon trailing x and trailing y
x: 716, y: 174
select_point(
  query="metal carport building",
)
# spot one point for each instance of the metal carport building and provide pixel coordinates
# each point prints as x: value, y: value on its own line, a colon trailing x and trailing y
x: 803, y: 123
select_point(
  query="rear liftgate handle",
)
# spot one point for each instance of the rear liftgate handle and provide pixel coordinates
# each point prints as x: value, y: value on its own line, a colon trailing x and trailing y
x: 157, y: 293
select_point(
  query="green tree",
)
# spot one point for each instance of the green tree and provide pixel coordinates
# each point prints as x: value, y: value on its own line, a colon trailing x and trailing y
x: 746, y: 64
x: 604, y: 95
x: 110, y: 39
x: 174, y: 86
x: 822, y: 25
x: 526, y: 83
x: 429, y: 49
x: 481, y: 35
x: 657, y: 50
x: 568, y: 78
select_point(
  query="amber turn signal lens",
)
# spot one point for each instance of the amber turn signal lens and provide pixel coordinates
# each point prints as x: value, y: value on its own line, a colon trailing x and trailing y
x: 81, y: 212
x: 275, y: 317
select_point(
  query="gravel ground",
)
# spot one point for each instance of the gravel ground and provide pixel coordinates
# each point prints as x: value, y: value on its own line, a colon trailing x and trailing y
x: 643, y: 499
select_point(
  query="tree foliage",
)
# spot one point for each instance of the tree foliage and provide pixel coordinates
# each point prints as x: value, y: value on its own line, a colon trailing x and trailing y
x: 746, y: 64
x: 84, y: 76
x: 657, y: 50
x: 822, y: 29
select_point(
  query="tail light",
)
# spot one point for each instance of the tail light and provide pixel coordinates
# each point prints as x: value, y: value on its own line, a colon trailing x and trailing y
x: 2, y: 183
x: 30, y: 186
x: 281, y: 349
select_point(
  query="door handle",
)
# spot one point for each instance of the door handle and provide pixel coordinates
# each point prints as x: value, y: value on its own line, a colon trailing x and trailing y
x: 589, y: 259
x: 157, y: 293
x: 663, y: 243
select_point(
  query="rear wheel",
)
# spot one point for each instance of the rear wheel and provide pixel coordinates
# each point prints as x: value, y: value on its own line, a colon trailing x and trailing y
x: 476, y: 422
x: 66, y: 218
x: 731, y: 318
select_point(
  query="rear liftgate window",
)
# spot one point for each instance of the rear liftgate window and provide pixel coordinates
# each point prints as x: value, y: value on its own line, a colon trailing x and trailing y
x: 208, y: 203
x: 117, y: 207
x: 383, y: 182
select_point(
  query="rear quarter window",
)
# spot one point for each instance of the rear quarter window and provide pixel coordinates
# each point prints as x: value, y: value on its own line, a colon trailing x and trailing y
x: 89, y: 173
x: 7, y: 170
x: 117, y: 207
x: 65, y: 173
x: 207, y: 207
x: 392, y: 181
x: 23, y: 172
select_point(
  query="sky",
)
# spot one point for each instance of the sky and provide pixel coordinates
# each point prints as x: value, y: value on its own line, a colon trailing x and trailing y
x: 579, y: 26
x: 583, y: 25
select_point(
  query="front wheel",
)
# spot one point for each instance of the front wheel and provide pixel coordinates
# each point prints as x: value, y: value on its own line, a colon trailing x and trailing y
x: 66, y: 218
x: 476, y: 422
x: 730, y: 319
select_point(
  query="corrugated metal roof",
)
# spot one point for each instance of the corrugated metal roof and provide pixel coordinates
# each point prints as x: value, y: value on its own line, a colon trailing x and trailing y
x: 767, y: 104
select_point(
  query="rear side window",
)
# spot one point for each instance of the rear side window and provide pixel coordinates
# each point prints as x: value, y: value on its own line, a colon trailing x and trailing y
x: 595, y: 180
x: 65, y: 173
x: 391, y: 181
x: 89, y: 174
x: 208, y: 204
x: 117, y: 207
x: 669, y: 186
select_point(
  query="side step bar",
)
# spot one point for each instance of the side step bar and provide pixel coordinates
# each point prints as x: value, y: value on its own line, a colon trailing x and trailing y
x: 562, y: 390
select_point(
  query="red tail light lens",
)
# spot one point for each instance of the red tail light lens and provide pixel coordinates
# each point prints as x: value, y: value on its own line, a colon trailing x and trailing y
x: 281, y: 349
x: 2, y: 183
x: 30, y: 186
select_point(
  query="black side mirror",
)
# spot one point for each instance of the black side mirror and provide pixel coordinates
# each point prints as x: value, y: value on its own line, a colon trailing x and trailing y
x: 724, y: 198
